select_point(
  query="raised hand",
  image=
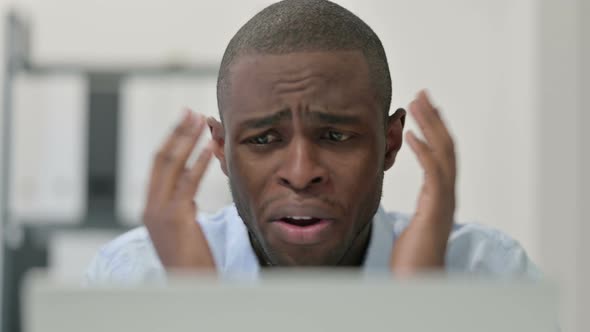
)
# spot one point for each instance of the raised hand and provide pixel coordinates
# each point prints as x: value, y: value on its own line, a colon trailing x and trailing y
x: 170, y: 211
x: 422, y: 245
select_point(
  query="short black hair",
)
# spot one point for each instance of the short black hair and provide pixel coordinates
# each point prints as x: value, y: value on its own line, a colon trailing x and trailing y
x: 307, y: 25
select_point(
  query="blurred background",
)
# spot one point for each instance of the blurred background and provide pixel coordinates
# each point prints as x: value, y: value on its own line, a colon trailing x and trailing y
x: 90, y: 88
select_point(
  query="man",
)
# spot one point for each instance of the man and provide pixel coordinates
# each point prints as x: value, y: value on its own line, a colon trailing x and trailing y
x: 305, y: 137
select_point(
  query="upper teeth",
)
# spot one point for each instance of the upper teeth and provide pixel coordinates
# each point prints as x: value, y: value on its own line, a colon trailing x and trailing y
x: 300, y: 217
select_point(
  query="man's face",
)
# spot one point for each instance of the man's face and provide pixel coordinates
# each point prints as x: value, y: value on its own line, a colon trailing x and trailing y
x: 304, y: 151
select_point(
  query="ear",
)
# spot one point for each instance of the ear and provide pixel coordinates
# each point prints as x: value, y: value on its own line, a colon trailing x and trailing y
x: 394, y: 138
x: 218, y: 136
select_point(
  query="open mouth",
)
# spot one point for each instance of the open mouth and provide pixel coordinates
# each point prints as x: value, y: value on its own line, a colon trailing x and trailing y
x: 303, y: 230
x: 301, y: 221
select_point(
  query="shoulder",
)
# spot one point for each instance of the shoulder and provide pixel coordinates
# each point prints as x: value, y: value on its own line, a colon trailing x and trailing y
x: 128, y: 258
x: 485, y: 250
x: 479, y: 249
x: 131, y: 257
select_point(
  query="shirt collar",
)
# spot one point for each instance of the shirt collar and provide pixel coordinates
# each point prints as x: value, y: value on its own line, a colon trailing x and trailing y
x: 241, y: 260
x: 380, y: 245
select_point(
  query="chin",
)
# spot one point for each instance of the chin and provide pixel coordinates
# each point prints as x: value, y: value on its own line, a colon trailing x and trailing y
x: 305, y: 256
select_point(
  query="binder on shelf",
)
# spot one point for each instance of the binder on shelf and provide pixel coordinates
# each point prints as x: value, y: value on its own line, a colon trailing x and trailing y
x: 48, y: 149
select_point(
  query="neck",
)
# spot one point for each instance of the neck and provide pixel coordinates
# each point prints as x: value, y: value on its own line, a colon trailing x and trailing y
x: 354, y: 255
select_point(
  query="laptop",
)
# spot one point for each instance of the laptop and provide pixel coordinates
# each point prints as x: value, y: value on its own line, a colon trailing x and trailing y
x: 292, y: 301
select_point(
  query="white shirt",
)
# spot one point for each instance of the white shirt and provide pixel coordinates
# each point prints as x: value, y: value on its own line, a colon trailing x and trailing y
x: 472, y: 248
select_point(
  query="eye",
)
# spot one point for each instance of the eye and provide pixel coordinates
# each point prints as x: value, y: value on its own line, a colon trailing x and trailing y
x: 264, y: 139
x: 336, y: 136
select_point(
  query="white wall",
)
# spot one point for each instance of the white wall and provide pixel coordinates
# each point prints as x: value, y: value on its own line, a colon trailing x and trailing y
x: 560, y: 145
x: 584, y: 228
x: 136, y: 31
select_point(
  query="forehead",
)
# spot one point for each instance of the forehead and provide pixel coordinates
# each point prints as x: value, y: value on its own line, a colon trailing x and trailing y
x: 328, y: 61
x: 263, y: 82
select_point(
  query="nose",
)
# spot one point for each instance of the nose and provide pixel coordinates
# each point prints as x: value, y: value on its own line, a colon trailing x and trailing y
x: 301, y: 169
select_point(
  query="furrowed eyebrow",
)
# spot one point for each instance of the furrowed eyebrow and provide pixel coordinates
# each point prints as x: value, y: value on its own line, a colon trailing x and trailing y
x: 333, y: 119
x: 267, y: 121
x: 320, y: 117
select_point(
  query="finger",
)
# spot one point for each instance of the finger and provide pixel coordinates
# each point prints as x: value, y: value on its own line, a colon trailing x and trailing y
x: 180, y: 154
x: 422, y: 110
x: 418, y: 112
x: 445, y: 150
x: 432, y: 126
x: 422, y: 152
x: 434, y: 117
x: 172, y: 157
x: 192, y: 177
x: 425, y: 99
x: 158, y: 163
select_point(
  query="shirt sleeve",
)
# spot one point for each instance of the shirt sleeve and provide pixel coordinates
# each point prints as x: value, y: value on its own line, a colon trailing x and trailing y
x: 99, y: 270
x: 483, y: 250
x: 129, y: 259
x: 518, y: 263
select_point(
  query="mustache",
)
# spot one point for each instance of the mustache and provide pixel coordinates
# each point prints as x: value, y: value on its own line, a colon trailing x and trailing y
x: 323, y: 199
